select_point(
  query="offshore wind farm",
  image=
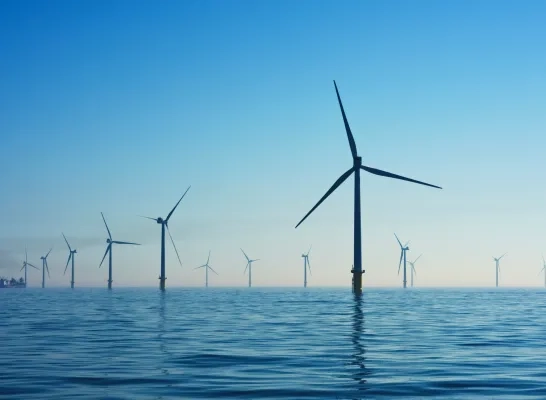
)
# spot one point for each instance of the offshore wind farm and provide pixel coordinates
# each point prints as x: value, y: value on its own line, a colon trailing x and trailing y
x: 232, y: 156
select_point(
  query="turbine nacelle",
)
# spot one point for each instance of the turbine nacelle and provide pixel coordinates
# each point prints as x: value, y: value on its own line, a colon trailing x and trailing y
x: 357, y: 162
x: 108, y: 240
x: 160, y: 220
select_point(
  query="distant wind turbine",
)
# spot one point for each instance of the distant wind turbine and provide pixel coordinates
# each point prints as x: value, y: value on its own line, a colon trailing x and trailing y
x: 543, y: 269
x: 109, y: 251
x: 412, y: 265
x: 165, y: 225
x: 71, y: 256
x: 25, y: 265
x: 306, y: 264
x: 249, y: 266
x: 44, y: 267
x: 207, y: 267
x: 403, y: 250
x: 497, y: 269
x: 357, y: 166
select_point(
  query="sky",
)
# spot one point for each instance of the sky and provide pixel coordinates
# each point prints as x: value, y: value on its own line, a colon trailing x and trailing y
x: 119, y: 106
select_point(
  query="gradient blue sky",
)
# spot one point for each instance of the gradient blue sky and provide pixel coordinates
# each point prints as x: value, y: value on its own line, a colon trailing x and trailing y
x: 118, y: 106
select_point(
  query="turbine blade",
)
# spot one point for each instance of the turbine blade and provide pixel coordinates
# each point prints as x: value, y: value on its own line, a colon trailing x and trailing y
x: 417, y: 258
x: 543, y: 261
x: 33, y: 266
x: 26, y: 255
x: 408, y: 242
x: 347, y: 127
x: 247, y: 264
x: 69, y: 257
x: 400, y: 263
x: 143, y: 216
x: 117, y: 242
x: 200, y: 267
x: 309, y: 265
x: 22, y: 267
x: 398, y: 240
x: 309, y: 251
x: 255, y: 260
x: 413, y: 268
x: 48, y: 252
x: 174, y: 208
x: 213, y: 270
x: 390, y: 175
x: 208, y: 258
x: 105, y: 224
x: 336, y: 184
x: 502, y: 255
x: 175, y: 249
x: 47, y: 268
x: 247, y: 259
x: 105, y: 253
x: 66, y: 242
x: 541, y: 270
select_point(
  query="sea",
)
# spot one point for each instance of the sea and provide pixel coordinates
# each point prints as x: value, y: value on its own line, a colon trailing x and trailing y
x: 272, y: 343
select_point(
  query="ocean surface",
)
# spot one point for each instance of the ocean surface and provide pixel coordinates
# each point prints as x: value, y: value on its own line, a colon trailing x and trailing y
x: 272, y: 344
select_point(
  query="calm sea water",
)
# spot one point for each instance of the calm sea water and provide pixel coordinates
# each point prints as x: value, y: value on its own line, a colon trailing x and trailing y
x: 272, y: 343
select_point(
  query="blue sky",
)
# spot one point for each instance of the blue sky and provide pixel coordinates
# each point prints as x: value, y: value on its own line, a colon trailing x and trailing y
x: 120, y: 106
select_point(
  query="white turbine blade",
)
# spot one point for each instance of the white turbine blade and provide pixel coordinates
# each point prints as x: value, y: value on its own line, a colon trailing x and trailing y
x: 200, y: 267
x: 26, y: 255
x: 247, y: 264
x: 48, y: 252
x: 413, y: 268
x: 23, y: 267
x: 118, y: 242
x: 502, y: 256
x: 175, y: 249
x: 66, y: 242
x: 33, y: 266
x: 105, y: 224
x: 309, y: 251
x: 174, y: 208
x: 212, y: 270
x: 398, y: 240
x: 417, y: 258
x: 208, y: 258
x: 143, y: 216
x: 400, y: 263
x: 47, y: 268
x: 105, y: 253
x: 543, y: 260
x: 248, y: 259
x: 309, y: 265
x: 69, y: 257
x: 255, y: 260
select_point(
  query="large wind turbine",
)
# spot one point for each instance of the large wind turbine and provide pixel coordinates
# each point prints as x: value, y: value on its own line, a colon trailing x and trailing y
x: 249, y: 266
x: 109, y: 251
x: 207, y: 267
x: 71, y: 256
x: 497, y: 269
x: 543, y: 269
x: 412, y: 265
x: 44, y: 267
x: 25, y: 264
x: 306, y: 264
x: 165, y: 225
x: 403, y: 250
x: 357, y: 166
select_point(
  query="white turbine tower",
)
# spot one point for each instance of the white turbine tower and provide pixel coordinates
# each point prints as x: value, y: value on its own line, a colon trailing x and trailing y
x: 45, y: 267
x: 413, y: 271
x: 249, y: 266
x: 306, y: 263
x: 403, y: 250
x: 71, y: 256
x: 207, y: 267
x: 497, y: 269
x: 25, y: 265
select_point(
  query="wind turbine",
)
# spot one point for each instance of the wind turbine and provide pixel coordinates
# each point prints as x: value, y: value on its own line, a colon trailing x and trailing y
x: 357, y: 166
x: 71, y: 256
x: 403, y: 250
x: 306, y: 264
x: 25, y: 264
x: 497, y: 268
x: 165, y: 224
x: 44, y: 267
x: 543, y: 269
x: 109, y: 251
x: 207, y: 267
x: 412, y: 265
x: 249, y: 266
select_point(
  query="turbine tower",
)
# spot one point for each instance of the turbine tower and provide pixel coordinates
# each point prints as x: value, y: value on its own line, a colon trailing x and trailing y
x: 412, y: 265
x: 71, y: 256
x: 249, y: 266
x: 25, y: 265
x: 109, y: 251
x: 165, y: 225
x: 306, y: 264
x: 44, y: 267
x: 403, y: 250
x: 357, y: 166
x: 543, y: 269
x: 497, y: 269
x: 207, y: 267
